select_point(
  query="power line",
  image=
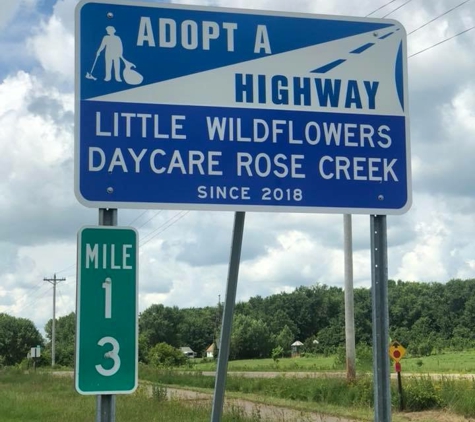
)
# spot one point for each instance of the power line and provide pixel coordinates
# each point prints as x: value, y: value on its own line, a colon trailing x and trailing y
x: 437, y: 17
x: 65, y: 269
x: 61, y: 297
x: 162, y: 225
x: 151, y: 218
x: 151, y: 233
x: 132, y: 222
x: 379, y: 8
x: 441, y: 42
x: 35, y: 289
x: 397, y: 8
x: 33, y: 300
x: 176, y: 221
x: 171, y: 224
x: 136, y: 218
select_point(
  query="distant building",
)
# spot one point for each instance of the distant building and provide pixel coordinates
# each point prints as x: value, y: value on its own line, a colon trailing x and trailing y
x: 295, y: 347
x: 188, y: 352
x: 210, y: 351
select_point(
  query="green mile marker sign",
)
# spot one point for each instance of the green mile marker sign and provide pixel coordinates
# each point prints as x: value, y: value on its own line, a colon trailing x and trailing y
x: 106, y: 311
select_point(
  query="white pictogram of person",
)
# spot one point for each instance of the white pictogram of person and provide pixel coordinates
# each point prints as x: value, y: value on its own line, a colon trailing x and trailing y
x: 112, y: 44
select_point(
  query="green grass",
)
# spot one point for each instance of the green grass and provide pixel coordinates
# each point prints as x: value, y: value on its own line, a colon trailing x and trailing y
x: 318, y: 364
x: 446, y: 363
x: 42, y: 397
x: 45, y: 398
x: 313, y: 395
x: 333, y: 395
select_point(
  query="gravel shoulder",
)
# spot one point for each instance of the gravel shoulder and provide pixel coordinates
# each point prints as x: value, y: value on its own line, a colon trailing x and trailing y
x: 275, y: 413
x: 266, y: 412
x: 335, y: 374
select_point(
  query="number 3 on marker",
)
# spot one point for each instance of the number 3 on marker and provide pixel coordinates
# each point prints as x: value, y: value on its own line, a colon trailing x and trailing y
x: 112, y: 354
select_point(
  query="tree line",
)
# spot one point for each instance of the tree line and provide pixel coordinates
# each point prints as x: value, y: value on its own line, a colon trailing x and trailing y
x: 424, y: 317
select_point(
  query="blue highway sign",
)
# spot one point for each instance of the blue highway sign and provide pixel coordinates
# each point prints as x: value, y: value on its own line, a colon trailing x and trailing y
x: 182, y: 107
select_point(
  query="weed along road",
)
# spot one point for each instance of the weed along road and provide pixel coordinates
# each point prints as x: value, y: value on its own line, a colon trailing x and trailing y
x: 266, y: 411
x: 250, y: 408
x: 262, y: 374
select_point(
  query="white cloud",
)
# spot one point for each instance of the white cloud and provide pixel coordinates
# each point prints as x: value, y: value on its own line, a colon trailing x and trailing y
x: 442, y: 248
x: 339, y: 7
x: 185, y: 260
x: 53, y: 47
x: 34, y: 147
x: 425, y: 260
x: 8, y: 9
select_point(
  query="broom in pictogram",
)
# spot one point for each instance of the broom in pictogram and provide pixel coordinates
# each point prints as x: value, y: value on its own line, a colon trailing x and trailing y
x: 89, y: 74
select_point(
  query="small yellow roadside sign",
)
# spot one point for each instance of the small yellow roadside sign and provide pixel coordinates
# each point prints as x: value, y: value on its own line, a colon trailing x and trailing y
x: 396, y: 351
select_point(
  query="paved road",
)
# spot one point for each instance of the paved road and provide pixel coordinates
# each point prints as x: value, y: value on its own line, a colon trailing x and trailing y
x: 265, y: 374
x: 267, y: 412
x: 257, y: 374
x: 281, y: 414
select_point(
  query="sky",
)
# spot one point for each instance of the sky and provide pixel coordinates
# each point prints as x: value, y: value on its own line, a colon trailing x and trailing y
x: 184, y: 254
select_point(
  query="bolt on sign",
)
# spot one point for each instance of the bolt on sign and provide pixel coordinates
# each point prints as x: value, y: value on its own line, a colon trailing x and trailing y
x: 106, y: 311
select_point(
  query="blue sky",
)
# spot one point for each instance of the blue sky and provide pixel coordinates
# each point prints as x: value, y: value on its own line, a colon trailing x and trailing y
x: 184, y: 254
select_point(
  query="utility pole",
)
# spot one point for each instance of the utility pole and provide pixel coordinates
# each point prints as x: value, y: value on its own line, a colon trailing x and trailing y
x: 216, y: 326
x: 349, y: 300
x: 54, y: 281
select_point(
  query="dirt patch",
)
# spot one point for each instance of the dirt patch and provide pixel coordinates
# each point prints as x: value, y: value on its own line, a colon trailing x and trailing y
x: 282, y: 414
x: 276, y: 413
x: 265, y: 412
x: 434, y: 416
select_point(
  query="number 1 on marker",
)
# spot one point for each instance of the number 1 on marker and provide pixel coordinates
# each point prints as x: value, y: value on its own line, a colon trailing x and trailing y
x: 107, y: 286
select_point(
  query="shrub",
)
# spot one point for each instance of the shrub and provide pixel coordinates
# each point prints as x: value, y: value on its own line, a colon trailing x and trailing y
x: 420, y: 394
x: 425, y: 349
x: 277, y: 353
x: 162, y: 354
x: 364, y: 355
x: 340, y: 358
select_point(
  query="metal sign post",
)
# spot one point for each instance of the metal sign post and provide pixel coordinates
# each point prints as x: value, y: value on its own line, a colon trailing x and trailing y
x: 379, y: 291
x: 233, y: 272
x: 205, y: 108
x: 107, y: 317
x: 396, y: 353
x: 105, y: 403
x: 35, y: 353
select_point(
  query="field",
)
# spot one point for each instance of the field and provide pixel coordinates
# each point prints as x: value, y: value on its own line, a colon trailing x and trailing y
x: 47, y: 398
x: 445, y: 363
x: 43, y: 397
x: 287, y: 364
x: 444, y: 393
